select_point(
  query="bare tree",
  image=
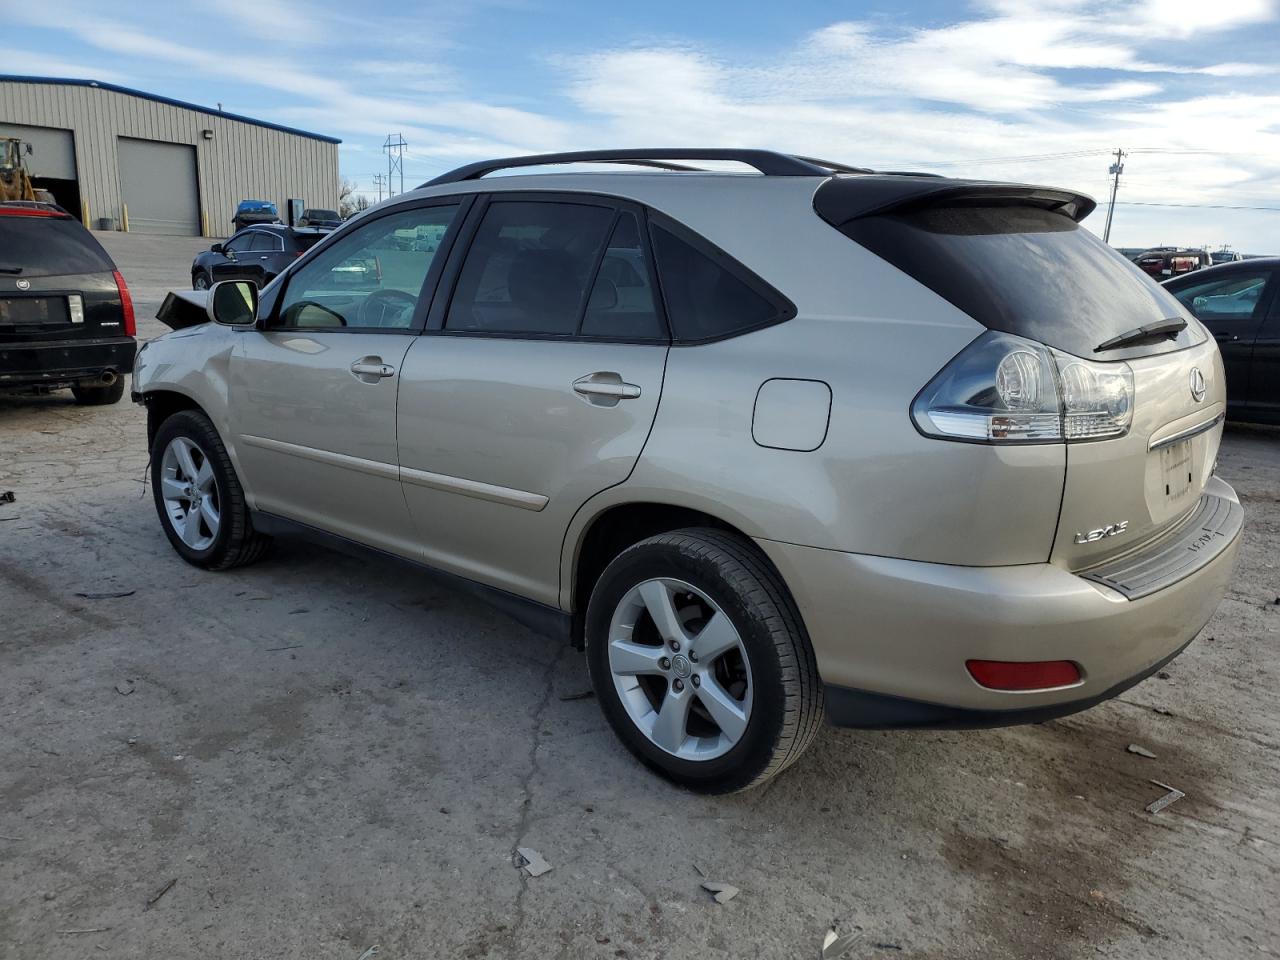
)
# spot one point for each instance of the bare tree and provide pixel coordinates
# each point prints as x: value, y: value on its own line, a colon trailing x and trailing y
x: 349, y: 201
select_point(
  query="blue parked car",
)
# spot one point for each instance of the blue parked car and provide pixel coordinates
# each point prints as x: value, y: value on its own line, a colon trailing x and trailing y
x: 254, y: 211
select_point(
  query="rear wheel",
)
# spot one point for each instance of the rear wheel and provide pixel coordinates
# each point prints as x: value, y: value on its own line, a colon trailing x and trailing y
x: 700, y: 662
x: 99, y: 395
x: 198, y: 496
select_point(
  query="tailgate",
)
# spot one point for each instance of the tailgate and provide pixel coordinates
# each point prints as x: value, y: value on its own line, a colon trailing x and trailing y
x: 1121, y: 494
x: 60, y: 308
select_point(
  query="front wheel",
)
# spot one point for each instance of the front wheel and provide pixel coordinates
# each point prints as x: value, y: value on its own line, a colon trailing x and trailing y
x: 201, y: 281
x: 198, y: 496
x: 700, y: 662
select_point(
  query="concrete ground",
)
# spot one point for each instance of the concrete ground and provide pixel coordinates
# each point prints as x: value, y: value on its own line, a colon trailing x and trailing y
x: 313, y: 756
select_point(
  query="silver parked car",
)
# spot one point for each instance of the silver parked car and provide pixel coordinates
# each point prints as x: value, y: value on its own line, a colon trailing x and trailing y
x: 897, y: 449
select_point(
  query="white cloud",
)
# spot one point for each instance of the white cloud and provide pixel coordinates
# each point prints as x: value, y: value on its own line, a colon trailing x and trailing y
x: 1005, y: 78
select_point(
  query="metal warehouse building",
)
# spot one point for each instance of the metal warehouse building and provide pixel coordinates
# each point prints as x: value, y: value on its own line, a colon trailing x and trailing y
x: 124, y: 159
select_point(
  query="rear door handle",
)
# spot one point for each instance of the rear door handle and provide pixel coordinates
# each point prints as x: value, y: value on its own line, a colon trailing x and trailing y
x: 371, y: 369
x: 605, y: 389
x: 1225, y: 337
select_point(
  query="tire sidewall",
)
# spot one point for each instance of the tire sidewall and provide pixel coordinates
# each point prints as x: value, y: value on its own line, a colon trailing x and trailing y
x: 200, y: 431
x: 750, y: 755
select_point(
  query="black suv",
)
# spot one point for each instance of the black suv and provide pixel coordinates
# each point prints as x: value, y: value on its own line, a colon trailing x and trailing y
x: 257, y: 253
x: 66, y: 318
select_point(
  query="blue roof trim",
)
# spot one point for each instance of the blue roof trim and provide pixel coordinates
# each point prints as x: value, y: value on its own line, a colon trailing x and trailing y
x: 115, y: 88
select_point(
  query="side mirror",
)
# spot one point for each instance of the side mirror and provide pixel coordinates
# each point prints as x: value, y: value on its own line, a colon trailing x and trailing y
x: 216, y: 248
x: 233, y: 303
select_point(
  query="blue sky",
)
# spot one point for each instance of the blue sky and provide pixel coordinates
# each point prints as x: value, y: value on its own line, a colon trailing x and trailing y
x: 1191, y: 87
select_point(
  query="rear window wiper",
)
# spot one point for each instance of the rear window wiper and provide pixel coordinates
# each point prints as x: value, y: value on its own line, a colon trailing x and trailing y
x: 10, y: 269
x: 1164, y: 329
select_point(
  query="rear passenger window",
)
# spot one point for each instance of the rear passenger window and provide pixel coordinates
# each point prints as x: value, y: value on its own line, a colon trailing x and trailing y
x: 705, y: 299
x: 264, y: 243
x: 622, y: 305
x: 528, y: 268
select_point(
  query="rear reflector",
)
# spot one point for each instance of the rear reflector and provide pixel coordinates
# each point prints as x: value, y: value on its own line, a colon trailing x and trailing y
x: 1036, y: 675
x: 126, y: 302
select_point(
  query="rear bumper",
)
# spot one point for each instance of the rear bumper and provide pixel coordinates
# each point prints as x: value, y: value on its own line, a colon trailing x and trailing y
x: 61, y: 362
x: 892, y: 636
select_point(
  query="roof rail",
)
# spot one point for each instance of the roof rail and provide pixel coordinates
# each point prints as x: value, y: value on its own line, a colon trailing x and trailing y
x: 834, y: 166
x: 768, y: 162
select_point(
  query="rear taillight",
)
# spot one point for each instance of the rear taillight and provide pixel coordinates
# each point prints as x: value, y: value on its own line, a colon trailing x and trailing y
x: 1006, y: 389
x: 1033, y: 675
x: 7, y: 211
x: 126, y: 304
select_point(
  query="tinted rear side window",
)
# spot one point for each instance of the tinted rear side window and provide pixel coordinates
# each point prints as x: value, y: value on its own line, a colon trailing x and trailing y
x: 622, y: 305
x: 706, y: 299
x: 1027, y: 271
x: 529, y: 268
x: 48, y: 247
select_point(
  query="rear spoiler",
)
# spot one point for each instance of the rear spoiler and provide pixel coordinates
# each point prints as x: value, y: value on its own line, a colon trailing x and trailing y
x: 842, y: 199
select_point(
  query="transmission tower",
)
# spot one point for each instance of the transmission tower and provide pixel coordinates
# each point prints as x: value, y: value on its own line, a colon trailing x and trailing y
x: 380, y: 181
x: 395, y: 159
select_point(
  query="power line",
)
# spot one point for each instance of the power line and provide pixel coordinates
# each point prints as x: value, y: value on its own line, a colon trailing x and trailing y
x: 1030, y: 158
x: 1195, y: 206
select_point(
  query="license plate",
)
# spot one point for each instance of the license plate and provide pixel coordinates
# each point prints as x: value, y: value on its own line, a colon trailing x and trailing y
x: 32, y: 311
x: 1177, y: 466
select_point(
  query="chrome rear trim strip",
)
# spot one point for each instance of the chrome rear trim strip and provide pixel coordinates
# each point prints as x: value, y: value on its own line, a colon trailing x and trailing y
x: 1187, y: 434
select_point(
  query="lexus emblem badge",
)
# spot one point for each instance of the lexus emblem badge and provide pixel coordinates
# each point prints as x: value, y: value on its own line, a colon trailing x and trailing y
x: 24, y: 284
x: 1197, y: 384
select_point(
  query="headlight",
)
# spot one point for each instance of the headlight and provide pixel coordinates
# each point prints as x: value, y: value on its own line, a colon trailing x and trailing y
x: 1006, y: 389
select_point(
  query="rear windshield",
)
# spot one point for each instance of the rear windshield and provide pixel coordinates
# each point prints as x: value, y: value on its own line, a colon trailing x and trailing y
x: 322, y: 214
x: 1027, y: 271
x: 306, y: 241
x: 48, y: 247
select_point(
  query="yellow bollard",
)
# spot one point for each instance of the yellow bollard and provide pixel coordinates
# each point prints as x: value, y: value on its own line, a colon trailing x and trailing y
x: 124, y: 216
x: 84, y: 213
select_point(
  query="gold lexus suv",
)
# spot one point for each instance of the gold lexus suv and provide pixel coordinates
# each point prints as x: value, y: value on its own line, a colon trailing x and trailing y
x: 795, y: 441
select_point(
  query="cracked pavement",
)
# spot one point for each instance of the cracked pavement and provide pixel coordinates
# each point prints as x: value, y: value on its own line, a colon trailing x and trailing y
x: 328, y: 754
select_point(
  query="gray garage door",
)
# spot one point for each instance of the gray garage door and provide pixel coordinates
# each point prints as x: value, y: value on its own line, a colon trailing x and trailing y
x: 158, y: 184
x: 53, y: 151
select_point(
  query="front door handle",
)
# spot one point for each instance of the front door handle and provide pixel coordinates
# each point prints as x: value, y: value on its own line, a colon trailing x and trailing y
x: 605, y: 389
x: 1226, y: 337
x: 371, y: 369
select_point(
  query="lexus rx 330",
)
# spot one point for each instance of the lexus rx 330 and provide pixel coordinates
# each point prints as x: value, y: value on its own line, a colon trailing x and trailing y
x: 803, y: 441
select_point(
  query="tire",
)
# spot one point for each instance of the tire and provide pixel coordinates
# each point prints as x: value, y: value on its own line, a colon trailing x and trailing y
x: 201, y: 280
x: 231, y: 541
x: 771, y: 674
x: 99, y: 396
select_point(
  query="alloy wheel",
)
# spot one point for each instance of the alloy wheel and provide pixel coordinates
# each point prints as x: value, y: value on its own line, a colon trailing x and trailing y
x: 190, y: 493
x: 680, y: 669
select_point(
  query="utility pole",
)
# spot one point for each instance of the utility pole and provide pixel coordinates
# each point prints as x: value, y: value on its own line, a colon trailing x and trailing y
x: 379, y: 180
x: 395, y: 159
x: 1117, y: 168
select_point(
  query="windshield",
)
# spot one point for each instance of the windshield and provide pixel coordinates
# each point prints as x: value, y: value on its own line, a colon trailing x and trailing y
x: 256, y: 206
x: 322, y: 214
